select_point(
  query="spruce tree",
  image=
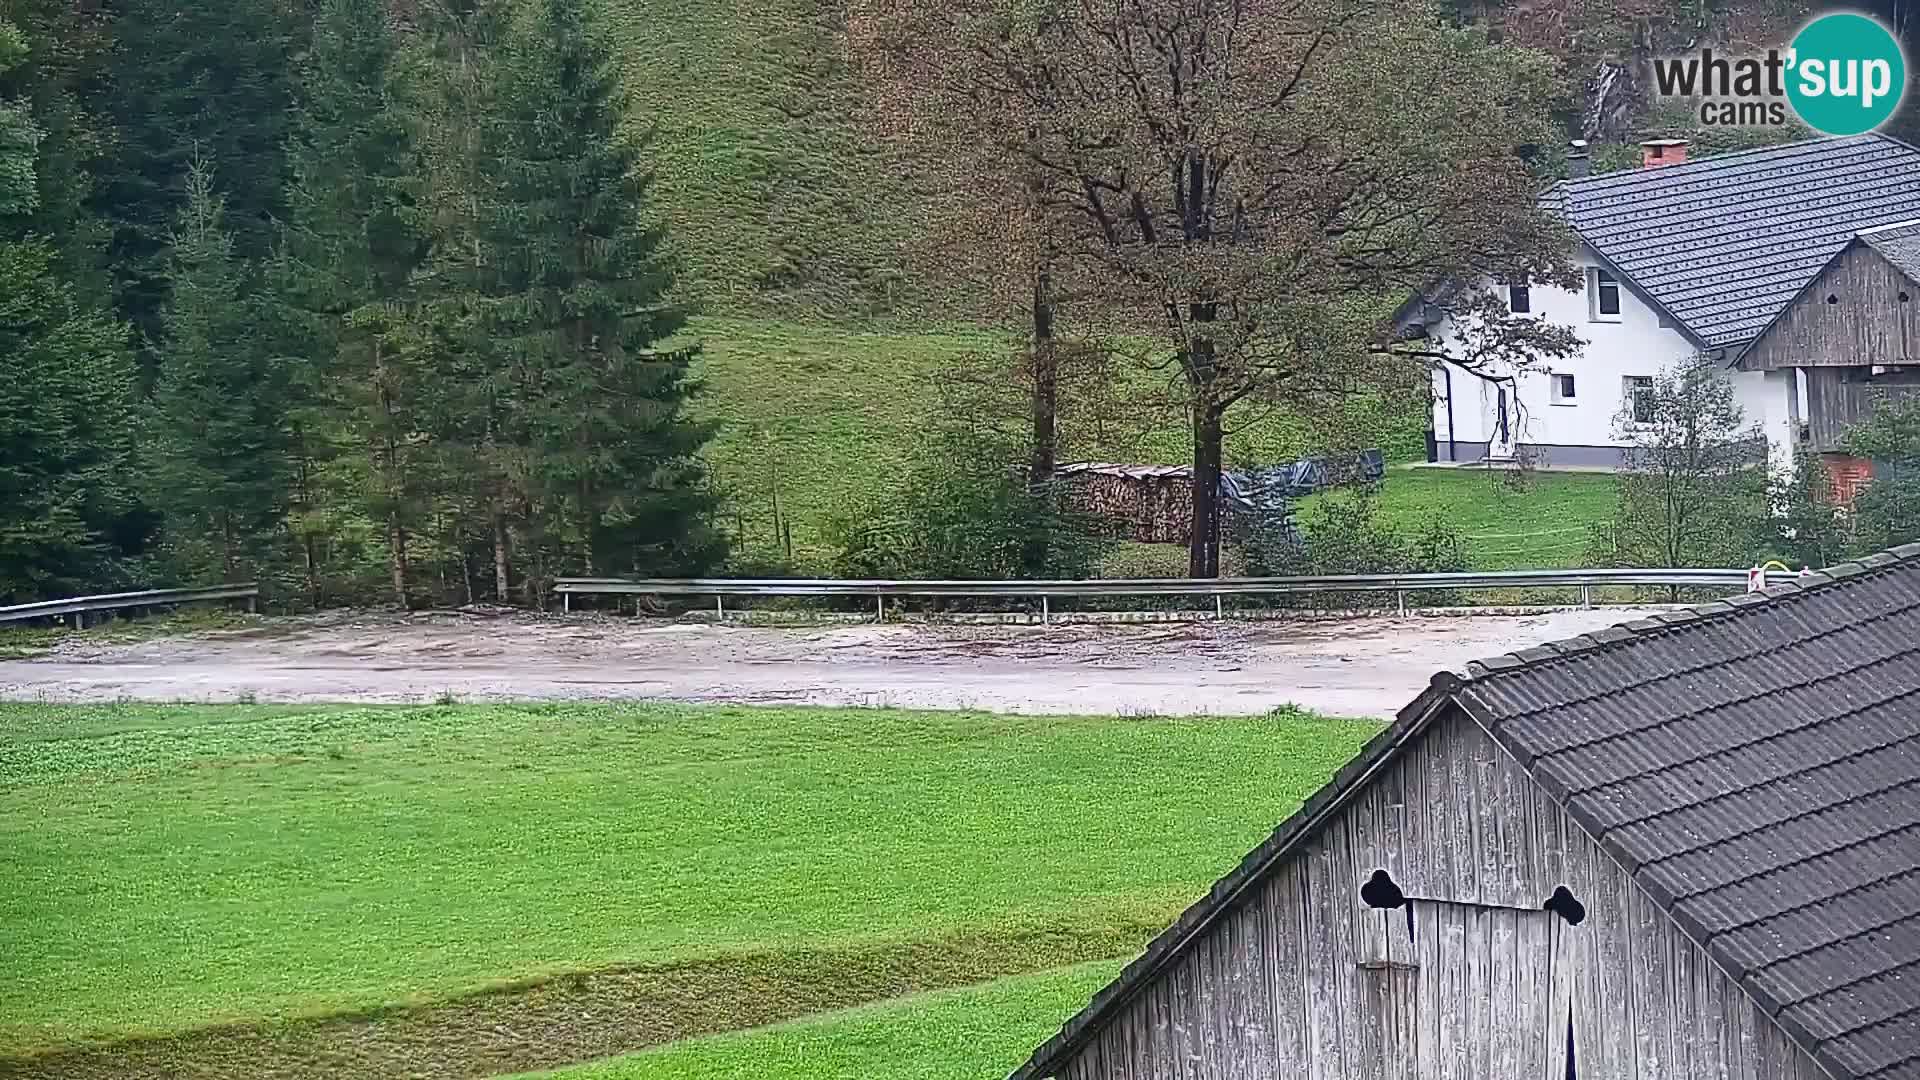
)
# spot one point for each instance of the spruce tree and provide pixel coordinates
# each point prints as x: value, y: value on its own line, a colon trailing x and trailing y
x: 579, y: 304
x: 451, y: 79
x: 208, y: 80
x: 65, y: 392
x: 218, y: 452
x: 346, y: 265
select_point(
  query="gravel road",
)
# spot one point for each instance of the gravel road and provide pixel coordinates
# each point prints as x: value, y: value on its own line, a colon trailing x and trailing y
x: 1357, y: 667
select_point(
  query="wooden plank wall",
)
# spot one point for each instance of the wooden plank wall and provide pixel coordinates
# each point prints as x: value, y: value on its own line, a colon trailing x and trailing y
x: 1838, y: 398
x: 1277, y: 989
x: 1866, y: 324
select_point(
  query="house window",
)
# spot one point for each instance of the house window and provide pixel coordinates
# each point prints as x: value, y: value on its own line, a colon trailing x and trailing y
x: 1603, y: 294
x: 1638, y: 390
x: 1562, y: 389
x: 1519, y: 299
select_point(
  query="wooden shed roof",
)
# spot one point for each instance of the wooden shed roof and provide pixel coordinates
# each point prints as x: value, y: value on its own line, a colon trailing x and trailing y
x: 1753, y: 763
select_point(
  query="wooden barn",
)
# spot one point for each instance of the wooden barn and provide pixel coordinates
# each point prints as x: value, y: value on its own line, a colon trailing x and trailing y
x: 1853, y: 337
x: 1684, y: 848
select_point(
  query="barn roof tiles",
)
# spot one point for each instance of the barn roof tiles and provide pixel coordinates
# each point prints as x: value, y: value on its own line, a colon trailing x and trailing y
x: 1754, y: 764
x: 1759, y: 772
x: 1723, y: 243
x: 1899, y: 244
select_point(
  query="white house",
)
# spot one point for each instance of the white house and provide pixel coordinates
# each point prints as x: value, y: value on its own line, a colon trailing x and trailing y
x: 1678, y: 257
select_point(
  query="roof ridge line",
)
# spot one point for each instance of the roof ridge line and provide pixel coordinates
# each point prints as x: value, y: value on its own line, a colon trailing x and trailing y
x: 1907, y: 224
x: 1642, y: 629
x: 1728, y: 704
x: 1785, y: 820
x: 1797, y: 144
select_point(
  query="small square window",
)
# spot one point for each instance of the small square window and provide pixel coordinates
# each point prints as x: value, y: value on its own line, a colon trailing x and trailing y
x: 1603, y: 294
x: 1562, y: 389
x: 1638, y: 390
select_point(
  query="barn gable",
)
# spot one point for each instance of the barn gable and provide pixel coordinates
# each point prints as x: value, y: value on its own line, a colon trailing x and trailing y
x: 1862, y: 308
x: 1733, y: 792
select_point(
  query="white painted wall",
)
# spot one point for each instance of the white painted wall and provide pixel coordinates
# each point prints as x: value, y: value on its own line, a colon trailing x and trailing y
x: 1634, y: 344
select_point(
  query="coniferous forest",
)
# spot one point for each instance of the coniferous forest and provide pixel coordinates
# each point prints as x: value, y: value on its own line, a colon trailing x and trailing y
x: 364, y: 302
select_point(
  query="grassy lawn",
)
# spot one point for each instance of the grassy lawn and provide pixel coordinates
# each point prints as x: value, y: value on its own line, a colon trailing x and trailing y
x: 822, y: 419
x: 977, y: 1033
x: 163, y: 868
x: 1543, y: 525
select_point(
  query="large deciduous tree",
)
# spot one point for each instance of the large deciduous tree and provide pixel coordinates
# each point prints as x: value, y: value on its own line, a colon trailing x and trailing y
x: 1260, y: 184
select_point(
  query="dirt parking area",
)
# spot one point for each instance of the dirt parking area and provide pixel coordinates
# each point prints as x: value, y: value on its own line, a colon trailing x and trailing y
x: 1355, y: 667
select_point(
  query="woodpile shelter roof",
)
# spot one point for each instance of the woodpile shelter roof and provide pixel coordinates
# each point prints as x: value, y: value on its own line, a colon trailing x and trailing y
x: 1753, y: 764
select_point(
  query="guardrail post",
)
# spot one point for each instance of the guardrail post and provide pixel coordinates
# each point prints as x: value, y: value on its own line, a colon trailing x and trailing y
x: 719, y: 607
x: 880, y: 607
x: 253, y: 608
x: 566, y: 603
x: 1046, y: 610
x: 1586, y: 596
x: 1219, y: 608
x: 1400, y: 595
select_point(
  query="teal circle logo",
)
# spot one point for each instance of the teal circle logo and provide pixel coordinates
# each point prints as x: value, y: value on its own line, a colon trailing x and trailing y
x: 1845, y: 74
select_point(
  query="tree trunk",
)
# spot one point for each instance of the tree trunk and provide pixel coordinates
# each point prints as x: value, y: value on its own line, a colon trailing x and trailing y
x: 1206, y: 410
x: 1203, y: 547
x: 397, y: 558
x: 1046, y: 382
x: 396, y: 489
x: 499, y: 555
x: 226, y: 546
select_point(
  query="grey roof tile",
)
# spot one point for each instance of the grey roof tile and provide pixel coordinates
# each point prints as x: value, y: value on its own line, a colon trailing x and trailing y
x: 1723, y: 243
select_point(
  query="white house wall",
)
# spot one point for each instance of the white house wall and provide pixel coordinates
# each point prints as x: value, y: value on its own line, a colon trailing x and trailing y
x: 1582, y: 431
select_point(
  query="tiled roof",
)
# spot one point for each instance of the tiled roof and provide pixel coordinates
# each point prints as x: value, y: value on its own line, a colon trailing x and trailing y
x: 1723, y: 243
x: 1899, y: 244
x: 1754, y: 763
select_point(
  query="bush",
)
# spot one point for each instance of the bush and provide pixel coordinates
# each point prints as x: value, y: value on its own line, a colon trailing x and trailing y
x: 963, y: 512
x: 1345, y: 535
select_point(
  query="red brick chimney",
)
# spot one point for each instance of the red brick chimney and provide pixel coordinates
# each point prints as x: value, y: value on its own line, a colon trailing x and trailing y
x: 1657, y: 152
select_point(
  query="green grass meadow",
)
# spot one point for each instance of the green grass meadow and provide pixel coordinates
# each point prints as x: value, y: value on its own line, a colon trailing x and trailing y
x: 165, y: 868
x: 975, y: 1033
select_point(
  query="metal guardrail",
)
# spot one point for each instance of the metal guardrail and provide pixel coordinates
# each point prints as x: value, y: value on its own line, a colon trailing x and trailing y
x: 78, y: 606
x: 1399, y: 584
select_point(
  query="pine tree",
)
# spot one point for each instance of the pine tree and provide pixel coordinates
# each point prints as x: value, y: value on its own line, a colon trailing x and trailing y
x: 208, y: 80
x: 346, y: 265
x: 65, y: 396
x: 218, y: 452
x: 469, y: 409
x: 578, y: 300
